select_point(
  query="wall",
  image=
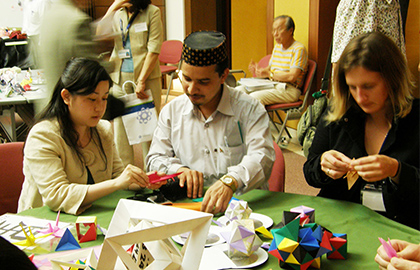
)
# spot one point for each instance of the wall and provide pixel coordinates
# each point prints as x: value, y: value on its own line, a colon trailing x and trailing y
x: 11, y: 14
x: 300, y: 16
x: 175, y: 23
x: 248, y: 32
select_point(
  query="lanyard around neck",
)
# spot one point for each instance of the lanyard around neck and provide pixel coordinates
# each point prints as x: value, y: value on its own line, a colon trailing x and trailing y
x: 123, y: 36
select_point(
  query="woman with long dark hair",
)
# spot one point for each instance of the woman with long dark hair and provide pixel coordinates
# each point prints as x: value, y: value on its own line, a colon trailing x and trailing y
x: 70, y: 159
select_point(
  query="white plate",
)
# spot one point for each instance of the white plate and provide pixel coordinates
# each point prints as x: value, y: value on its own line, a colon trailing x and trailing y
x: 216, y: 258
x: 213, y: 238
x: 259, y: 219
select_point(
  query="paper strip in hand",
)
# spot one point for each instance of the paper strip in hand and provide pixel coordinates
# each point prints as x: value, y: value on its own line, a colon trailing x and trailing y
x: 154, y: 178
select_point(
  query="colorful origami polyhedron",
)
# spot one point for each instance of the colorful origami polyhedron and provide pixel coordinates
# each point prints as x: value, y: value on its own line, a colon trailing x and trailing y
x: 238, y: 210
x: 241, y: 238
x: 299, y: 247
x: 339, y: 245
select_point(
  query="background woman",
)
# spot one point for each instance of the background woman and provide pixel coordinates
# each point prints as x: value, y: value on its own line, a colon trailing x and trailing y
x: 70, y: 158
x: 372, y: 128
x: 135, y: 55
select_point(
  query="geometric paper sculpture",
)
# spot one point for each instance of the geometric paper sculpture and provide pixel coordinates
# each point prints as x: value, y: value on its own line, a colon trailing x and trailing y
x: 90, y: 235
x: 339, y: 245
x: 67, y: 242
x: 238, y: 210
x: 299, y: 247
x: 241, y: 238
x: 299, y: 244
x: 83, y: 259
x: 153, y: 225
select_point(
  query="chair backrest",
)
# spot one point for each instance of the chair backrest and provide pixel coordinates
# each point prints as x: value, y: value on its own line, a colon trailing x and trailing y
x: 11, y: 176
x: 170, y: 52
x: 309, y: 77
x: 263, y: 62
x: 277, y: 178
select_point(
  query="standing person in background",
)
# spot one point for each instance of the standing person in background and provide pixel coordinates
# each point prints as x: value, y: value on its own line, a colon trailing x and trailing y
x: 34, y: 11
x: 65, y: 33
x: 371, y: 131
x: 136, y: 52
x: 354, y: 17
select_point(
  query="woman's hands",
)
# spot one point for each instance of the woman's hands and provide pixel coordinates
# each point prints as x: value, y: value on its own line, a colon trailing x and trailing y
x: 335, y: 164
x: 408, y: 256
x: 376, y: 167
x: 134, y: 176
x: 371, y: 168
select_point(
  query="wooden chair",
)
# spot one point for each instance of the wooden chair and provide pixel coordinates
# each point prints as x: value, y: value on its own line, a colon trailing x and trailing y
x: 277, y: 177
x: 11, y: 176
x: 170, y: 53
x: 293, y: 110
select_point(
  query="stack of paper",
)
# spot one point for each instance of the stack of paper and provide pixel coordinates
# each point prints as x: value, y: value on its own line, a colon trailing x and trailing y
x: 255, y: 84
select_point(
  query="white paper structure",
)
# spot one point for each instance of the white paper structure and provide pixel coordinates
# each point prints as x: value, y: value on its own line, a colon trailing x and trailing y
x: 88, y: 256
x: 124, y: 230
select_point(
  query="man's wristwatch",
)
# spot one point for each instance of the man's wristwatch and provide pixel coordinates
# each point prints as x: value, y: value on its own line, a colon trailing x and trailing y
x: 229, y: 181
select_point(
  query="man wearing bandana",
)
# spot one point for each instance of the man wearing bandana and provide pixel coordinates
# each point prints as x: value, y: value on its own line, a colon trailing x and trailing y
x: 216, y: 136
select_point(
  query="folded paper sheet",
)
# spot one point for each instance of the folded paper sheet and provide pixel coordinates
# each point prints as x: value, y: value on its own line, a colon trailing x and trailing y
x: 136, y: 222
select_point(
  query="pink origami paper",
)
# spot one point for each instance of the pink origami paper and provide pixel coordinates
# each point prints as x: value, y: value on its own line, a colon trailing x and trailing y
x: 154, y: 178
x: 390, y: 251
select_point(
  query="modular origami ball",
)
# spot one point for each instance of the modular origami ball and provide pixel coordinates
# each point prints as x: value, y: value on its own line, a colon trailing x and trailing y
x: 241, y: 238
x: 299, y: 244
x: 238, y: 210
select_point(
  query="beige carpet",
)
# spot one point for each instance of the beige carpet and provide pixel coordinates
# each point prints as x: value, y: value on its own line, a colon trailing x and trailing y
x: 295, y: 180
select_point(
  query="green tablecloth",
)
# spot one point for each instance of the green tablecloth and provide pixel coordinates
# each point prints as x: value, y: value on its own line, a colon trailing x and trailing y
x: 362, y: 225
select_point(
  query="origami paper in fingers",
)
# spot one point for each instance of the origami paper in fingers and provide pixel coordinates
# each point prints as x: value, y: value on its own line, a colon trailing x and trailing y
x: 389, y: 249
x: 155, y: 178
x: 352, y: 177
x: 54, y: 230
x: 238, y: 210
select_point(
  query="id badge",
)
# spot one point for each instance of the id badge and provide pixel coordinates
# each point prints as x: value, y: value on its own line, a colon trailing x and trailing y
x: 123, y: 54
x: 372, y: 198
x: 140, y: 27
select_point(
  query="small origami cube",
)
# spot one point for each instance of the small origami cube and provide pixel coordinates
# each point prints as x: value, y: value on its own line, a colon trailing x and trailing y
x: 339, y: 245
x: 238, y: 210
x: 306, y: 214
x: 90, y: 234
x: 241, y: 238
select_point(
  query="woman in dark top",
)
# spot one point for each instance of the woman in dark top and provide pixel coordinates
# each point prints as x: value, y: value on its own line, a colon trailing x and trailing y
x: 371, y: 128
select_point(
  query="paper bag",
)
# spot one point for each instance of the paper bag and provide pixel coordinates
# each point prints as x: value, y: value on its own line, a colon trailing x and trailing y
x: 140, y: 116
